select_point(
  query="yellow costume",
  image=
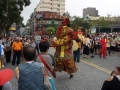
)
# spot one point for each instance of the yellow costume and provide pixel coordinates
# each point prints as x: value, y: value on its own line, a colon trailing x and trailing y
x: 63, y: 53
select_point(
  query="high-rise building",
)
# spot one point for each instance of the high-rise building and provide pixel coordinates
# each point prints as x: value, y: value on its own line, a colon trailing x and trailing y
x: 90, y: 11
x: 57, y: 6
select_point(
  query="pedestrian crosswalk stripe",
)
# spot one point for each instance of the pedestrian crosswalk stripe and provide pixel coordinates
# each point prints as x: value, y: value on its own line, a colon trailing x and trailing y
x: 96, y: 66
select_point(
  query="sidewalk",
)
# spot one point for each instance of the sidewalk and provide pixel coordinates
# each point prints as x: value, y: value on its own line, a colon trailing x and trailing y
x: 86, y: 78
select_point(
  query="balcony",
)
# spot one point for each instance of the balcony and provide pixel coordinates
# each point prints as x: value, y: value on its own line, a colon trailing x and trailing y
x: 47, y: 2
x: 62, y: 8
x: 46, y: 6
x: 56, y: 7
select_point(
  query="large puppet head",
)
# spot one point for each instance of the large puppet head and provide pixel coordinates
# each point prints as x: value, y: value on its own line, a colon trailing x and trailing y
x: 65, y: 23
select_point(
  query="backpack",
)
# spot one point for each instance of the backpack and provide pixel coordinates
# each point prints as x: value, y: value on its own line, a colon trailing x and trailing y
x: 0, y: 50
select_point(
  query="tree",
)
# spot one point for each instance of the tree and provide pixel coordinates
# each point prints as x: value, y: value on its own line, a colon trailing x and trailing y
x: 100, y: 23
x: 50, y: 30
x: 76, y: 22
x: 10, y: 11
x: 53, y: 24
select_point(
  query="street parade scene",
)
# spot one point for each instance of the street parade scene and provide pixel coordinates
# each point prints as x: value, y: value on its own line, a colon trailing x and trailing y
x: 53, y: 50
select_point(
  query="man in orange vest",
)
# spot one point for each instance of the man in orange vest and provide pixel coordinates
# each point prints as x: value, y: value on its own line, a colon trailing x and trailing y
x: 103, y: 43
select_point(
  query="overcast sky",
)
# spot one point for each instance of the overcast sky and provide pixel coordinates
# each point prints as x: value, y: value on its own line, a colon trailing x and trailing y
x: 75, y: 7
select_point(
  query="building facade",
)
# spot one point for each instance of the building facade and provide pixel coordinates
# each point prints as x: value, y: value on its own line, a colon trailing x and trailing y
x: 90, y: 11
x: 57, y: 6
x: 45, y: 19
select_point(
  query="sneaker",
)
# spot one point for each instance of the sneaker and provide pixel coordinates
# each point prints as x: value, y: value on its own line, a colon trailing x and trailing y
x: 3, y: 66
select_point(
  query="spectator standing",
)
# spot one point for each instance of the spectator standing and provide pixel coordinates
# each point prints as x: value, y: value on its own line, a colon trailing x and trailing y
x: 103, y: 43
x: 3, y: 40
x: 30, y: 69
x: 2, y: 53
x: 108, y: 46
x: 37, y: 41
x: 49, y: 59
x: 113, y: 82
x: 77, y: 46
x: 92, y: 46
x: 33, y: 43
x: 113, y: 44
x: 16, y: 50
x: 27, y: 42
x: 8, y: 49
x: 87, y: 48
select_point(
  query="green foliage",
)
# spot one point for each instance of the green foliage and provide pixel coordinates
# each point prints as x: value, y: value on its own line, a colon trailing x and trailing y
x: 50, y: 30
x: 53, y: 23
x: 76, y: 22
x: 100, y: 23
x: 10, y: 11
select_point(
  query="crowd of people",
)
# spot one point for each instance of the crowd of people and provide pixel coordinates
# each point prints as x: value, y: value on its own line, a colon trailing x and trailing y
x: 13, y: 46
x: 34, y: 67
x: 25, y: 48
x: 101, y: 44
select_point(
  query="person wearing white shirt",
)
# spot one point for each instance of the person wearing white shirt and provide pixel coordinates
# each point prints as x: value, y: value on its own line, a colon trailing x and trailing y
x: 88, y: 47
x: 2, y: 53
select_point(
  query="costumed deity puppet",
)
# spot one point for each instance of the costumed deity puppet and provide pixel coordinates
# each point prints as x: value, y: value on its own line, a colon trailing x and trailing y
x: 63, y: 53
x: 80, y: 34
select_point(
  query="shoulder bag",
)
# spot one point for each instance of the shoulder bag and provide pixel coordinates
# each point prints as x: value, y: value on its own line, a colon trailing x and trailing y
x: 51, y: 71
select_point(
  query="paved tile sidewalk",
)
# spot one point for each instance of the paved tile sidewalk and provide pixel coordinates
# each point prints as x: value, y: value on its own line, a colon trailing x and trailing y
x: 109, y: 63
x: 87, y: 78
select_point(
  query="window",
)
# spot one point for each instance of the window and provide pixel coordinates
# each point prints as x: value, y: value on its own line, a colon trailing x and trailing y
x: 50, y: 16
x: 49, y: 22
x: 56, y: 22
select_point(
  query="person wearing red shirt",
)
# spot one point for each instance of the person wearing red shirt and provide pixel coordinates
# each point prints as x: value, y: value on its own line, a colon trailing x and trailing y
x: 103, y: 46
